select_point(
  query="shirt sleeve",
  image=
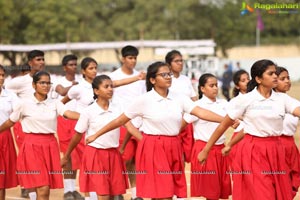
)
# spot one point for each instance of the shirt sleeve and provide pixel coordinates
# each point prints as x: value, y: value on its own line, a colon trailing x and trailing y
x: 290, y: 103
x: 82, y: 123
x: 60, y: 107
x: 188, y: 104
x: 237, y: 107
x: 17, y: 111
x: 74, y: 92
x: 189, y: 118
x: 136, y: 108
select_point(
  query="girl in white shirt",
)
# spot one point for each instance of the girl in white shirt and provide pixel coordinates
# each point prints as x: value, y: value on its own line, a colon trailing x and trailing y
x: 8, y: 156
x: 182, y: 85
x: 38, y: 160
x: 102, y: 169
x: 263, y: 172
x: 159, y: 162
x: 290, y: 124
x: 212, y: 179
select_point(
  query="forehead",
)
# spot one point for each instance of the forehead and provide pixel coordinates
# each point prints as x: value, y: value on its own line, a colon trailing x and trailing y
x: 211, y: 80
x: 164, y: 68
x: 44, y: 77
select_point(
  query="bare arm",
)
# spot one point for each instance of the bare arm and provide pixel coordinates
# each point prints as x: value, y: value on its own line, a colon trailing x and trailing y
x: 121, y: 120
x: 73, y: 143
x: 297, y: 112
x: 141, y: 76
x: 236, y: 139
x: 223, y: 126
x: 133, y: 131
x: 64, y: 90
x: 71, y: 115
x: 66, y: 99
x: 194, y: 98
x: 207, y: 115
x: 6, y: 125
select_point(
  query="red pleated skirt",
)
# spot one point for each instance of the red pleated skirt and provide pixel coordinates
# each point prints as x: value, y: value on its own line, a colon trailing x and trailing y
x: 293, y: 160
x: 19, y: 134
x: 160, y: 167
x: 131, y: 146
x: 260, y: 170
x: 65, y: 132
x: 103, y: 171
x: 211, y: 180
x: 8, y: 159
x: 38, y: 162
x: 187, y: 140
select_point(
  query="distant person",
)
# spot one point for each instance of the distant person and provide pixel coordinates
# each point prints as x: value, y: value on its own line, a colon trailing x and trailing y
x: 237, y: 67
x: 226, y: 81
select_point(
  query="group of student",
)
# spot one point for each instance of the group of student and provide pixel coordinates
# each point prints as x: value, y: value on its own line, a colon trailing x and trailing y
x: 169, y: 126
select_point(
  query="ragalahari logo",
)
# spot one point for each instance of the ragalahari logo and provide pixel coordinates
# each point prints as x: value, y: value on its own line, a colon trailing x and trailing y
x: 246, y: 9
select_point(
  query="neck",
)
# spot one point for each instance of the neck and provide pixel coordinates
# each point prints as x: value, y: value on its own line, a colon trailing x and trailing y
x: 40, y: 97
x: 126, y: 70
x: 162, y: 91
x: 88, y: 80
x: 0, y: 89
x: 265, y: 92
x: 70, y: 77
x: 103, y: 103
x: 176, y: 74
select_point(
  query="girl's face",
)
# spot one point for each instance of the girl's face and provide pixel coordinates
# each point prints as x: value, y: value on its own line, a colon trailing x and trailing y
x: 269, y: 78
x: 90, y: 72
x: 177, y: 64
x: 284, y: 82
x: 242, y: 85
x: 129, y: 62
x: 210, y: 89
x: 163, y: 78
x: 42, y: 86
x: 105, y: 90
x: 2, y: 77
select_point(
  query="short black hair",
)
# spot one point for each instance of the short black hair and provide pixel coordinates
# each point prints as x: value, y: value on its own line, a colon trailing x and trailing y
x: 129, y: 51
x: 67, y: 58
x: 34, y: 53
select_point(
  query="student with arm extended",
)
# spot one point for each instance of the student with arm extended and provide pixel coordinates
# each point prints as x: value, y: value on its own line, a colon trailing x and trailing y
x: 160, y: 170
x: 8, y: 156
x: 38, y: 164
x: 290, y: 124
x: 262, y: 172
x: 102, y: 168
x: 212, y: 179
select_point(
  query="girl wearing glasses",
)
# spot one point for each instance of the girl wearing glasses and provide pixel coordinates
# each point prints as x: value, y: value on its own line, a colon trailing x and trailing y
x: 261, y: 169
x: 181, y: 84
x: 38, y: 163
x: 8, y: 157
x: 159, y: 163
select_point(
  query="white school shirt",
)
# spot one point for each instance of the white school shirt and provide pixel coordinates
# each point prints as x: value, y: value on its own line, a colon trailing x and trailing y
x: 160, y: 116
x: 83, y: 94
x: 124, y: 95
x: 204, y: 129
x: 231, y: 105
x: 8, y: 101
x: 93, y: 118
x: 38, y: 117
x: 262, y: 117
x: 290, y: 122
x: 183, y: 85
x: 21, y: 86
x: 71, y: 105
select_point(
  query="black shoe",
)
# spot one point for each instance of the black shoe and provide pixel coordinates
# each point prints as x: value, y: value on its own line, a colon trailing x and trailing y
x: 137, y: 198
x: 69, y: 196
x: 77, y: 195
x: 119, y: 197
x: 24, y: 193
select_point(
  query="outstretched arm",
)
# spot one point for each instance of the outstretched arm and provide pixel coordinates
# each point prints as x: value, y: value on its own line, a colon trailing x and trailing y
x: 207, y: 115
x: 73, y: 143
x: 121, y: 120
x: 71, y: 114
x: 6, y: 125
x: 223, y: 126
x: 141, y: 76
x: 64, y: 90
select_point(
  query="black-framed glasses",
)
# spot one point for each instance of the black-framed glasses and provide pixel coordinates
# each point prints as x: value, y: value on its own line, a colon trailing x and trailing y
x: 44, y: 83
x: 165, y: 74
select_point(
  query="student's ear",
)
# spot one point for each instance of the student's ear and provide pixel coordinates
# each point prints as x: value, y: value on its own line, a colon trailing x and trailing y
x: 258, y: 80
x: 34, y: 86
x: 153, y: 81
